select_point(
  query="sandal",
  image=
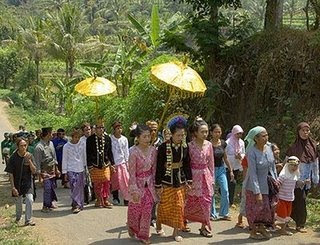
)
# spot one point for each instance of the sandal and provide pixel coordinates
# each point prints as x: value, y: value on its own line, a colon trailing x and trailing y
x: 30, y: 223
x: 161, y: 232
x: 145, y: 241
x: 301, y: 229
x: 227, y: 218
x: 213, y: 218
x: 240, y: 225
x: 186, y: 229
x: 256, y: 236
x: 178, y: 238
x: 286, y: 233
x: 108, y: 205
x: 265, y: 234
x: 76, y: 210
x: 131, y: 233
x: 205, y: 233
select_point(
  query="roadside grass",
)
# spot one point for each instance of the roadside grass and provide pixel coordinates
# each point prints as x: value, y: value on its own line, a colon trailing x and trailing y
x: 10, y: 232
x: 313, y: 220
x: 15, y: 116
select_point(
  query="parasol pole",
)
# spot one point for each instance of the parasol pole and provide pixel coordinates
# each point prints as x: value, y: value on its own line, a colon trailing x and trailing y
x: 165, y: 109
x: 97, y: 108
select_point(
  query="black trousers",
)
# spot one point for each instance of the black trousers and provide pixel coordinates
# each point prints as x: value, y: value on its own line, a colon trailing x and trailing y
x: 115, y: 195
x: 232, y: 184
x: 299, y: 207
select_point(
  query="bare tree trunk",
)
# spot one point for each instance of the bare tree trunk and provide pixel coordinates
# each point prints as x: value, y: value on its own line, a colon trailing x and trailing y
x: 316, y: 5
x: 306, y: 10
x: 5, y: 82
x: 36, y: 92
x: 274, y: 15
x: 214, y: 19
x: 292, y: 9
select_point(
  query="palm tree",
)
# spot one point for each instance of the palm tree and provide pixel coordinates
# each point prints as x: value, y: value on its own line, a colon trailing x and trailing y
x: 68, y: 39
x: 66, y: 34
x: 33, y: 41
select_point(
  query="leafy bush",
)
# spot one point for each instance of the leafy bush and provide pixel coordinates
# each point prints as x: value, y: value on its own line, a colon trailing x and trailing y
x: 9, y: 64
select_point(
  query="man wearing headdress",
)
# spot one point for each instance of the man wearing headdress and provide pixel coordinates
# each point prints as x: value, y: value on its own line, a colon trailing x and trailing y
x: 173, y: 176
x: 45, y: 158
x: 100, y: 164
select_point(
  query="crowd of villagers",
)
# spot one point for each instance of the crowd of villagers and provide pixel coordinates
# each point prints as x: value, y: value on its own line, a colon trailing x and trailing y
x: 169, y: 178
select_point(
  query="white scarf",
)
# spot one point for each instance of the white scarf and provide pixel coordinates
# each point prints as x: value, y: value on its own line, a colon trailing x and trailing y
x: 285, y: 173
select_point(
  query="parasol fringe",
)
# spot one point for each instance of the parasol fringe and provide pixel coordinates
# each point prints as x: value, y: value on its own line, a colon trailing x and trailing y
x: 172, y: 89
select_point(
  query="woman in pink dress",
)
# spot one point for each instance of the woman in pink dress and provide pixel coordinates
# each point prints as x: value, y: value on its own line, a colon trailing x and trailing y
x: 198, y: 204
x: 142, y: 195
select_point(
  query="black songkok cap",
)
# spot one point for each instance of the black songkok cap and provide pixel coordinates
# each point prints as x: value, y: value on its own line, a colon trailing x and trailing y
x: 46, y: 130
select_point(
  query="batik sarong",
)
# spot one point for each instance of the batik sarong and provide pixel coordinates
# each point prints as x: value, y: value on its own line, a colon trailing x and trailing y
x: 120, y: 180
x: 76, y: 181
x: 257, y: 212
x: 198, y: 208
x: 49, y: 194
x: 171, y: 207
x: 139, y: 216
x: 101, y: 181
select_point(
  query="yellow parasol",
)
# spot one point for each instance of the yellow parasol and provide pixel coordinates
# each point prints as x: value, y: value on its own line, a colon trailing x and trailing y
x: 95, y: 86
x: 178, y: 79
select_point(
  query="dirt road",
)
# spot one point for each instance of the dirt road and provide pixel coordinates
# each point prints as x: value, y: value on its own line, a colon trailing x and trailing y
x: 104, y: 226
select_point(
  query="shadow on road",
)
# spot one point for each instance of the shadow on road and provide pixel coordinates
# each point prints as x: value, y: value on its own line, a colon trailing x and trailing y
x: 237, y: 241
x: 114, y: 241
x: 233, y: 231
x: 52, y: 214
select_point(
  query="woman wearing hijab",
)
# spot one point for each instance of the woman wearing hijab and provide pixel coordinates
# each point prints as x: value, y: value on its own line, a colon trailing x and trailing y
x: 261, y: 163
x: 303, y: 148
x: 235, y: 151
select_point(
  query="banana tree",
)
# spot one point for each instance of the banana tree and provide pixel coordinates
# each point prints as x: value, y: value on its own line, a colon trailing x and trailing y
x: 128, y: 60
x: 65, y: 93
x: 149, y: 36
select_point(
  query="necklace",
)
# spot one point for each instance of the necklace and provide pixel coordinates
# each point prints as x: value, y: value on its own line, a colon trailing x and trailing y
x: 100, y: 148
x: 169, y: 155
x: 217, y: 143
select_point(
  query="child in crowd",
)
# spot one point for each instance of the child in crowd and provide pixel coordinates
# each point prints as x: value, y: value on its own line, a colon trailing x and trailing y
x: 276, y: 153
x: 288, y: 177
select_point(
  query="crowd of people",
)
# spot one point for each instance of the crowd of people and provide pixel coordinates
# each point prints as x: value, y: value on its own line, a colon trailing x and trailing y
x: 169, y: 178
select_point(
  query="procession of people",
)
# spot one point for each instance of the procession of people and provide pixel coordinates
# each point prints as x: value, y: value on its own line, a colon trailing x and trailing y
x: 167, y: 178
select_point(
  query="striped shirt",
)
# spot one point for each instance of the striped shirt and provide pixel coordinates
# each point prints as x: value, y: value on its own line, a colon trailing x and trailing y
x: 286, y: 191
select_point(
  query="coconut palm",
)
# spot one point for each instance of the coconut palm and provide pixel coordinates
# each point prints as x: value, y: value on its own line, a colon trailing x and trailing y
x: 33, y: 42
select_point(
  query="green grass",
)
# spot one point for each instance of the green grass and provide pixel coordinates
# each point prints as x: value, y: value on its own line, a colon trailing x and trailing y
x: 313, y: 220
x: 10, y: 233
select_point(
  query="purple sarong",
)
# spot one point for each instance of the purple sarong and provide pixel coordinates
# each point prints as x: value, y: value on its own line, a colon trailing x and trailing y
x: 76, y: 181
x: 49, y: 194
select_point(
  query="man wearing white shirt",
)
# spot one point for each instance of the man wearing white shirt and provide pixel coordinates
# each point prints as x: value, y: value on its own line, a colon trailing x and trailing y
x: 74, y: 160
x: 120, y: 151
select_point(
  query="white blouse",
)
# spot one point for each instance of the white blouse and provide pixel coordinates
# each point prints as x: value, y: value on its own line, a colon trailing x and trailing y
x: 120, y: 149
x: 74, y: 157
x: 231, y: 155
